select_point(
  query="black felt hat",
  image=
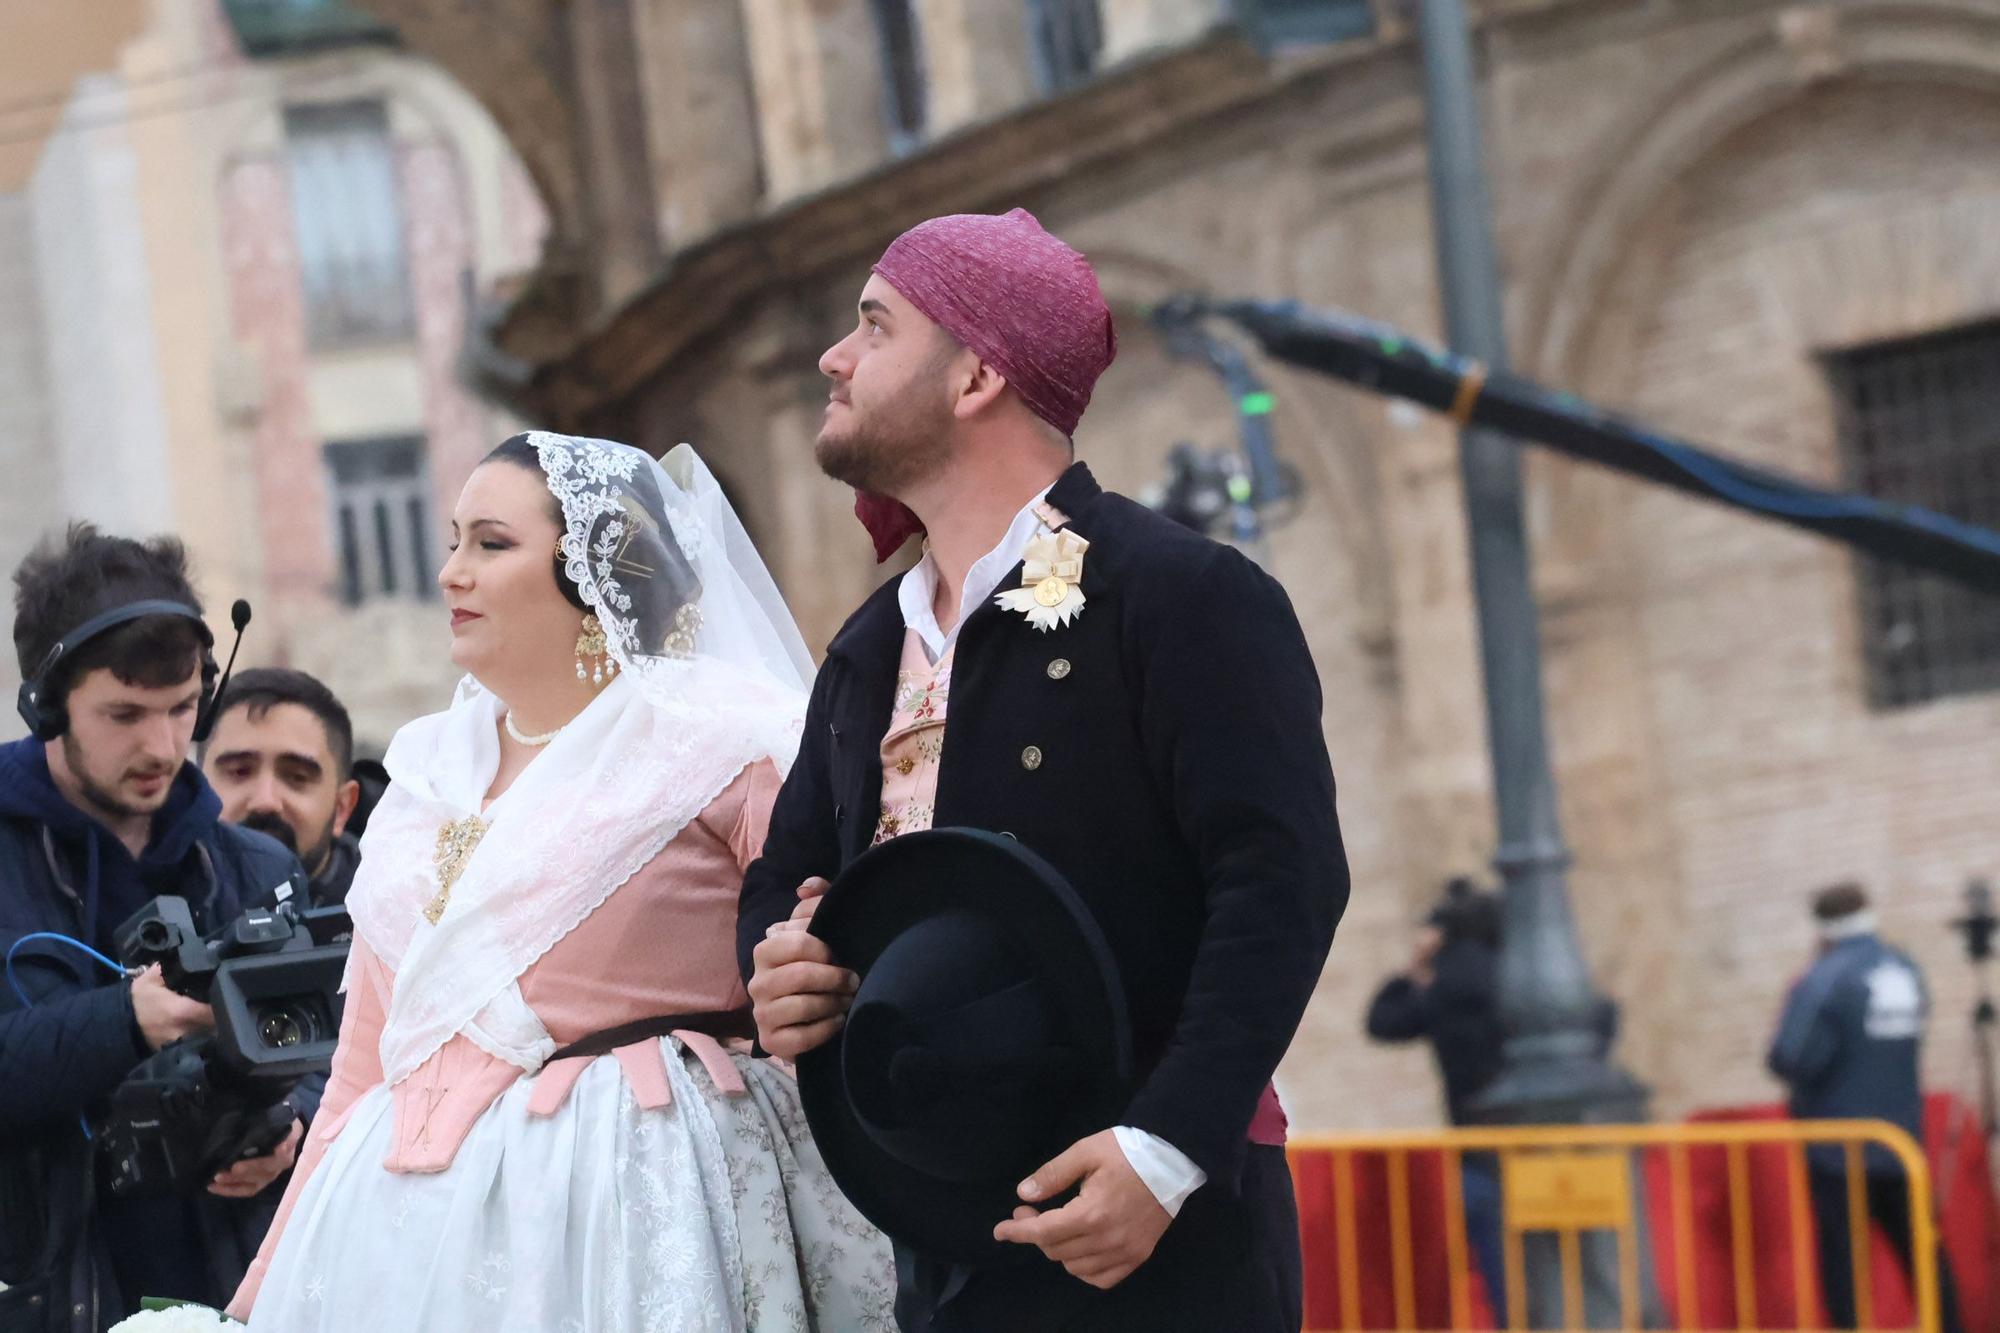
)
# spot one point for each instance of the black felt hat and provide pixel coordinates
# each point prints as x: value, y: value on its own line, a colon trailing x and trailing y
x: 988, y: 1034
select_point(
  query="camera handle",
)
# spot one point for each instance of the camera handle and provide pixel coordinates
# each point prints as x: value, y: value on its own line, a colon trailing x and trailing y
x: 263, y: 1133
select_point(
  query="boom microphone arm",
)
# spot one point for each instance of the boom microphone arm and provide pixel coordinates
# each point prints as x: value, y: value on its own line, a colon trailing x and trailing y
x: 1385, y: 360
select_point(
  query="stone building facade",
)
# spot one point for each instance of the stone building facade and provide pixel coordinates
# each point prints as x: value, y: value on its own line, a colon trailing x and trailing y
x: 238, y: 294
x: 1721, y: 215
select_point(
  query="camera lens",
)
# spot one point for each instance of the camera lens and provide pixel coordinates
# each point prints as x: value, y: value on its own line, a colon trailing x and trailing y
x: 289, y: 1024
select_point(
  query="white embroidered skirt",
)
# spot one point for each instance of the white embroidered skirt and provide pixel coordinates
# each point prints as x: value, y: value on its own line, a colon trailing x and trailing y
x: 712, y: 1215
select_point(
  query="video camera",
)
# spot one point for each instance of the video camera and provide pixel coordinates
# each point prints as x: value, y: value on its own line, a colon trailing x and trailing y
x: 193, y: 1108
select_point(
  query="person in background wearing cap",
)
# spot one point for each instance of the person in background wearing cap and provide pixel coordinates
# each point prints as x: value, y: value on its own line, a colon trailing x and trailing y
x: 1131, y: 701
x: 1848, y: 1048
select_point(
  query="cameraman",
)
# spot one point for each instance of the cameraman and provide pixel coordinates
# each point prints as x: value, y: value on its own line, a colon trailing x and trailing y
x: 98, y: 816
x: 281, y: 758
x: 1449, y: 996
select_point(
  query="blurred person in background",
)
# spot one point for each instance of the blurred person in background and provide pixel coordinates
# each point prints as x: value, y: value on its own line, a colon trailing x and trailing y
x: 1848, y: 1048
x: 281, y: 758
x: 1448, y: 995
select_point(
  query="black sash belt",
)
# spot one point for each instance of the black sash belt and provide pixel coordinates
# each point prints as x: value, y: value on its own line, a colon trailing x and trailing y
x: 722, y: 1024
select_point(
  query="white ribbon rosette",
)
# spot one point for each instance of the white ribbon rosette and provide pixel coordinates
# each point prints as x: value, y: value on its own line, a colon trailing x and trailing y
x: 1051, y: 591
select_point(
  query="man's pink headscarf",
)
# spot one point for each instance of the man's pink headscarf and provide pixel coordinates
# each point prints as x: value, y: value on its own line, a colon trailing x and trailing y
x: 1028, y: 304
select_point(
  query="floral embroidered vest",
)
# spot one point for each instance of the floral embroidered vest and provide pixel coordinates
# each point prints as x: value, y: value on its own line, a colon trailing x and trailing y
x: 913, y: 749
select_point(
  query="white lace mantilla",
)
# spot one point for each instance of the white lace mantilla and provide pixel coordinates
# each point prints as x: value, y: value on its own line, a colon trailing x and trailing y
x: 625, y: 776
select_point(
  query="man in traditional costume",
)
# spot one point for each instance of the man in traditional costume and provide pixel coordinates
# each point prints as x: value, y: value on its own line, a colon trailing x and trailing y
x: 1128, y: 699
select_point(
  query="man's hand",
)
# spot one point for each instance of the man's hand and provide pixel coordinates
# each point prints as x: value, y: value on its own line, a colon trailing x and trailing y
x: 252, y: 1174
x: 1108, y: 1230
x: 165, y: 1015
x: 810, y: 893
x: 797, y: 994
x: 1423, y: 959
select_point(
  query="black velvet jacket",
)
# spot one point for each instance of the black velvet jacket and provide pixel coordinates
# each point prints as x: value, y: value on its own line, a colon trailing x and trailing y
x: 1163, y: 750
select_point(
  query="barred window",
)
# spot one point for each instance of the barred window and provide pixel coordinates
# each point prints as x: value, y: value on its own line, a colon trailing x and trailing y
x: 347, y: 212
x: 905, y: 95
x: 1065, y: 37
x: 1920, y: 423
x: 381, y: 518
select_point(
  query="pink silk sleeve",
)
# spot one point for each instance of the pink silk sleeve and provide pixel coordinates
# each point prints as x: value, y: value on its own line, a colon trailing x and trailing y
x: 357, y: 1067
x: 753, y: 820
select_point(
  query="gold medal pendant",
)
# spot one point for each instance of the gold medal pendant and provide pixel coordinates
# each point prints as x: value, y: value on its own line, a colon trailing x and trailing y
x: 1051, y: 591
x: 455, y: 844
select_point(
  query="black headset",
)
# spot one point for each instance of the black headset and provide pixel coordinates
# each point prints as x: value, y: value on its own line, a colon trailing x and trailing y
x: 48, y: 718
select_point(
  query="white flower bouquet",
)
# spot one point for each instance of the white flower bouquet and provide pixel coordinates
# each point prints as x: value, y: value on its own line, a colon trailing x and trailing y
x: 175, y: 1317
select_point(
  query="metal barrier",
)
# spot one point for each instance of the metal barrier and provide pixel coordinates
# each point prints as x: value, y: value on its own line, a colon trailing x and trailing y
x: 1573, y: 1180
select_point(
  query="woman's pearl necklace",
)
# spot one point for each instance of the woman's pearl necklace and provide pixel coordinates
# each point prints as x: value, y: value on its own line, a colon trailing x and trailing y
x: 524, y: 738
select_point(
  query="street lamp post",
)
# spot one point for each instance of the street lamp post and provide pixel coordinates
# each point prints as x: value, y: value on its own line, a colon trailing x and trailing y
x: 1556, y: 1067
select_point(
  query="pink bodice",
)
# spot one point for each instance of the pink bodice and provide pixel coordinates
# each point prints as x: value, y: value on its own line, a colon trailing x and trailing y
x: 664, y: 942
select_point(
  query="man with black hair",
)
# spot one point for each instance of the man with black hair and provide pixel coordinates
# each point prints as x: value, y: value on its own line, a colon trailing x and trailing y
x: 100, y: 812
x: 281, y: 758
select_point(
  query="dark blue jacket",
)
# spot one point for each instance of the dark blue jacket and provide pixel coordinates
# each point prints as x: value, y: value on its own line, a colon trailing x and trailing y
x: 87, y: 1258
x: 1849, y: 1041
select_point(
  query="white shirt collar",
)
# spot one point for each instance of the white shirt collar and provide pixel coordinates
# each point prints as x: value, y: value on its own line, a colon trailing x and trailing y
x: 919, y: 587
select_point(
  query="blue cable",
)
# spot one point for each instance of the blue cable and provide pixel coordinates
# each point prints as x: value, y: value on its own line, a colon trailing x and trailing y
x: 27, y: 1003
x: 59, y: 939
x: 1714, y: 474
x: 1719, y: 476
x: 1721, y: 480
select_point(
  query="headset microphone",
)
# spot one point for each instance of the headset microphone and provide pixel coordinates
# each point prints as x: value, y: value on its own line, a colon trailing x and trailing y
x: 239, y: 617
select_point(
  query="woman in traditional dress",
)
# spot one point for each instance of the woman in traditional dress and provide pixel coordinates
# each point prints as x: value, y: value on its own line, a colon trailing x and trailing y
x: 542, y: 1115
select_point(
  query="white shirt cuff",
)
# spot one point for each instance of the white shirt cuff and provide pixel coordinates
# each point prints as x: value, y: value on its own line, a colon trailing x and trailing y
x: 1165, y: 1168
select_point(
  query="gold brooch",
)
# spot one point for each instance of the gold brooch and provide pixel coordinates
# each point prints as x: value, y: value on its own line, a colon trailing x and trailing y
x: 455, y: 844
x: 1051, y: 591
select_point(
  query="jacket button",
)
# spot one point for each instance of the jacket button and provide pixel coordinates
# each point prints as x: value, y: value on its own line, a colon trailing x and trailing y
x: 1059, y: 668
x: 1031, y: 758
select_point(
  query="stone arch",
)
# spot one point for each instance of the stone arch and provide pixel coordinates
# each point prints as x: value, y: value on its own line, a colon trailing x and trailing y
x: 1697, y: 656
x: 511, y: 55
x: 426, y: 104
x: 1660, y: 142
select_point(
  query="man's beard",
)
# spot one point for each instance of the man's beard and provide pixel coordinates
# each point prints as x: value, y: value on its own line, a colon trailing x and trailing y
x: 105, y: 796
x: 263, y: 821
x: 899, y: 445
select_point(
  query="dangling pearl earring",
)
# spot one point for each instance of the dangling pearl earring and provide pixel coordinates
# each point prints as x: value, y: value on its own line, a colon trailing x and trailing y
x: 590, y: 648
